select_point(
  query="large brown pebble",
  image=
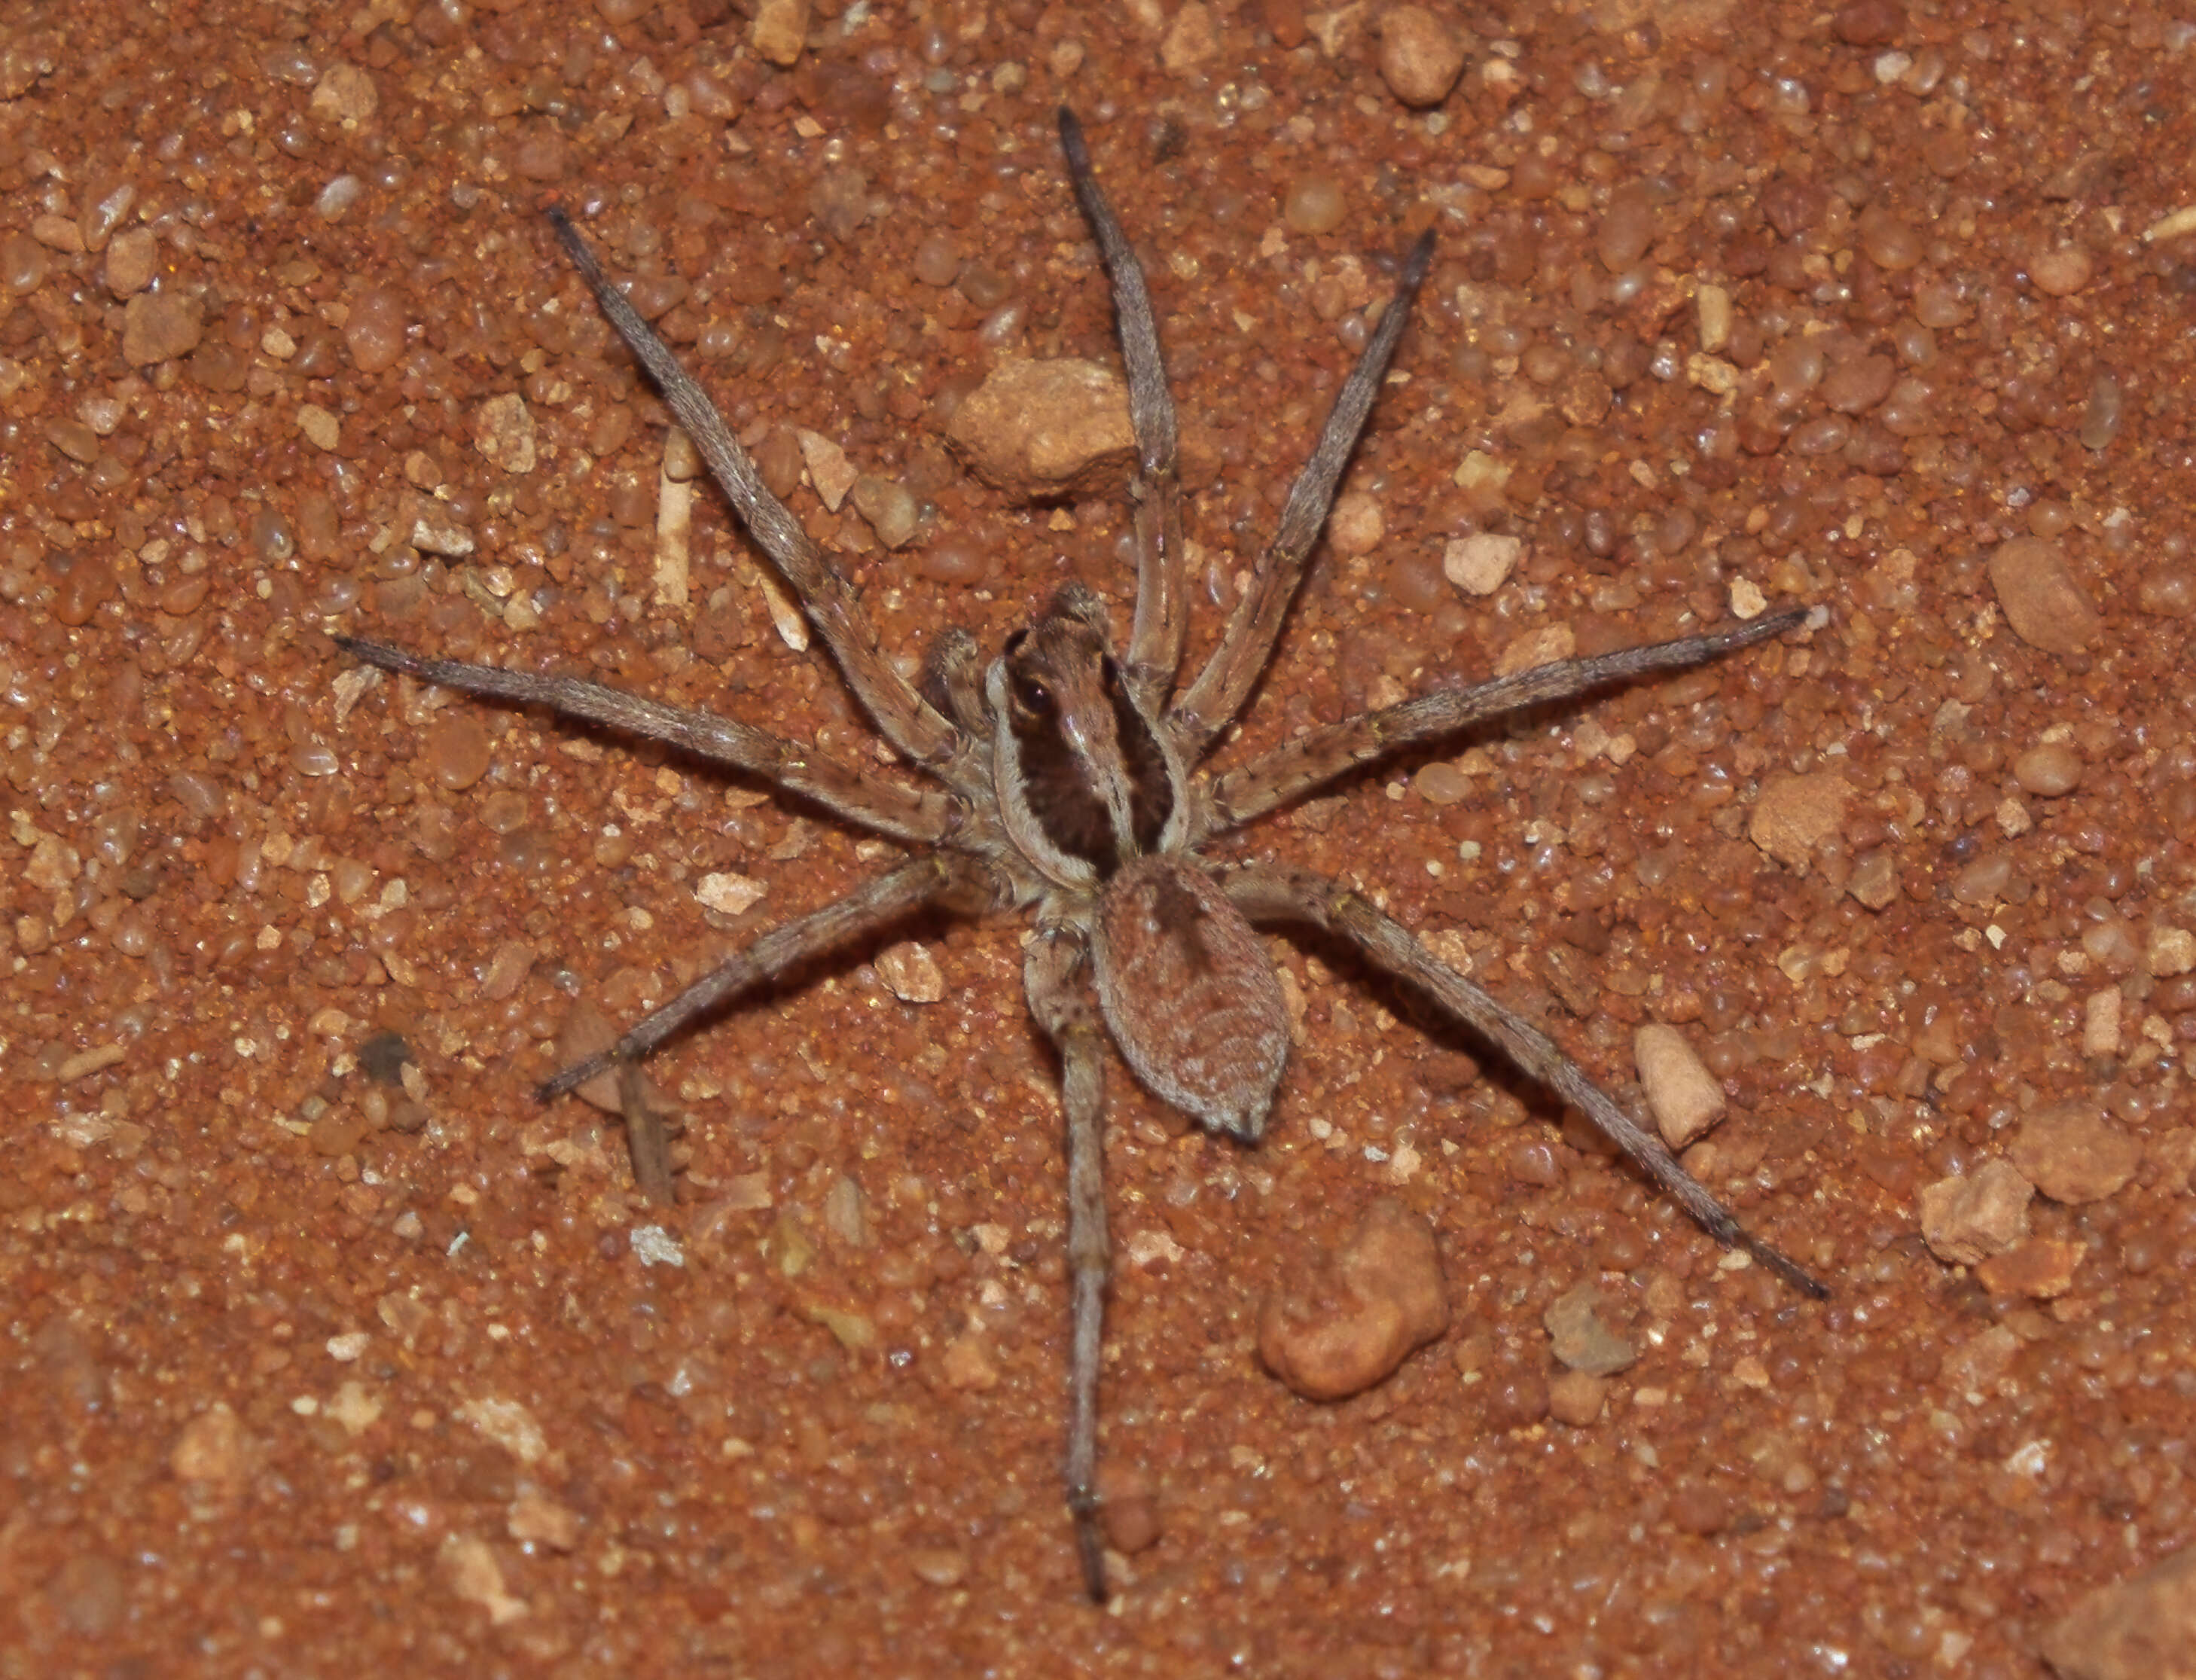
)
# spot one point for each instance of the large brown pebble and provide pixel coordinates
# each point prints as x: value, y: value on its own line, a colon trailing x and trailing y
x: 2142, y: 1628
x: 1966, y: 1219
x: 2073, y: 1152
x: 1358, y: 1311
x: 2043, y: 603
x: 1796, y: 814
x: 1046, y: 429
x: 160, y: 326
x: 1420, y: 56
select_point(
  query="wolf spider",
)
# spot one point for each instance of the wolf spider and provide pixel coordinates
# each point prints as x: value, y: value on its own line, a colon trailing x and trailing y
x: 1069, y: 787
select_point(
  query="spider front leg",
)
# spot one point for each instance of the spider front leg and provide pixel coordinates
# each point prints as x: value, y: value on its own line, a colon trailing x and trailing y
x: 1155, y: 642
x: 1055, y: 975
x: 1245, y: 645
x: 1295, y: 768
x: 904, y: 718
x: 925, y: 881
x: 1270, y: 894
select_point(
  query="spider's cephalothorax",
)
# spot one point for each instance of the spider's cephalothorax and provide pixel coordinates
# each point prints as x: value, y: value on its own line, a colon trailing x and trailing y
x: 1067, y: 784
x: 1094, y: 792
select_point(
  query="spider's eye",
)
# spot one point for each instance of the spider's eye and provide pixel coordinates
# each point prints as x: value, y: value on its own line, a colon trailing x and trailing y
x: 1032, y: 695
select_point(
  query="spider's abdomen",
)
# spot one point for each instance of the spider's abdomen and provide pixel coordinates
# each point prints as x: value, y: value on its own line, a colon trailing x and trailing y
x: 1190, y: 994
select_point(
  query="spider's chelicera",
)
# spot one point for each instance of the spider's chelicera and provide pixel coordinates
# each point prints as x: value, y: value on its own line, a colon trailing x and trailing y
x: 1067, y: 783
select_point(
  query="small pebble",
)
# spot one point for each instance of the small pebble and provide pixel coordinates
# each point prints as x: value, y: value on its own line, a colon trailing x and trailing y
x: 2100, y: 1023
x: 1421, y: 55
x: 160, y: 326
x: 1685, y: 1097
x: 133, y: 261
x: 937, y: 261
x: 470, y: 1571
x: 829, y: 468
x: 346, y: 95
x: 2042, y: 1268
x: 1355, y: 526
x: 322, y: 430
x: 2171, y: 952
x: 730, y: 894
x: 2073, y: 1152
x: 1579, y: 1340
x: 1966, y: 1219
x: 1796, y: 814
x: 1875, y: 879
x: 1983, y: 882
x: 910, y: 973
x: 888, y: 505
x: 1535, y: 647
x: 509, y: 1424
x: 1699, y: 1510
x: 2169, y: 592
x: 375, y: 329
x: 1314, y: 205
x: 1481, y: 563
x: 1577, y: 1397
x: 210, y: 1448
x: 1626, y: 228
x: 458, y: 749
x: 938, y: 1565
x: 503, y: 432
x: 2061, y: 271
x: 2051, y: 771
x: 844, y: 1218
x: 779, y: 32
x: 1128, y: 1510
x: 2042, y: 601
x: 967, y: 1363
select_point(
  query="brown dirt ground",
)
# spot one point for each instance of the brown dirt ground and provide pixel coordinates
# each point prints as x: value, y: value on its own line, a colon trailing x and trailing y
x: 334, y: 1351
